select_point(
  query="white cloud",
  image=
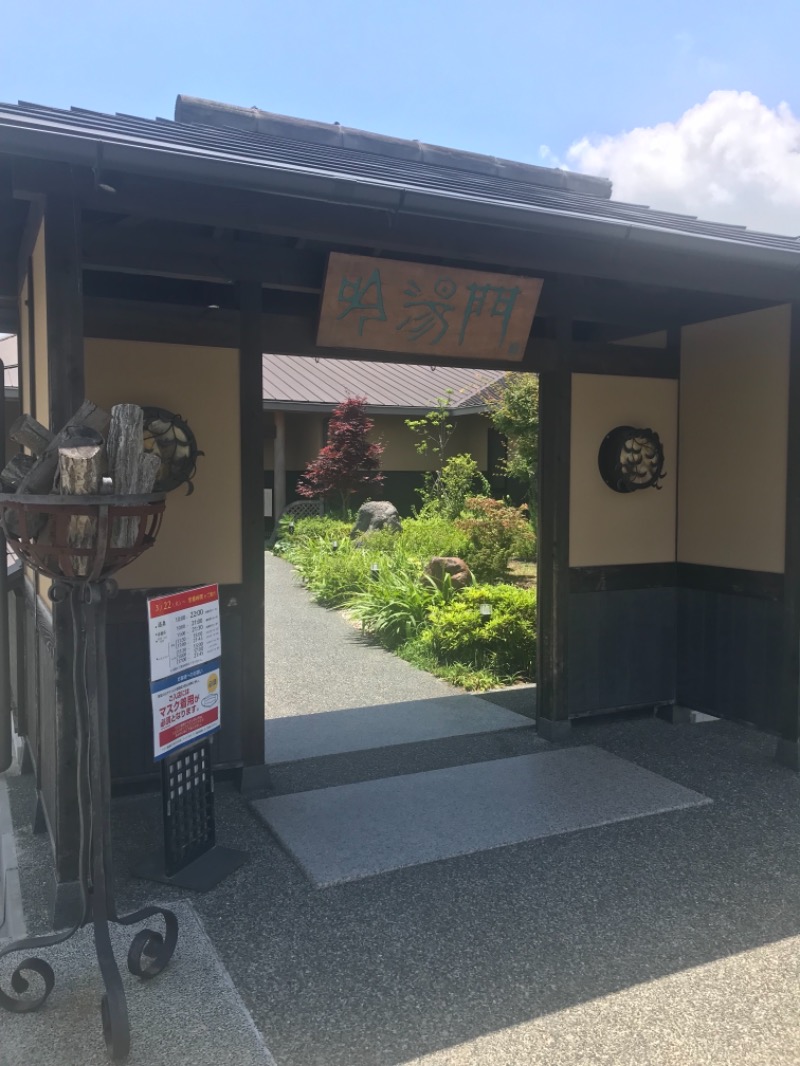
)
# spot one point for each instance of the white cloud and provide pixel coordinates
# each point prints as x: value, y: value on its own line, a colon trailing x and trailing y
x: 729, y: 159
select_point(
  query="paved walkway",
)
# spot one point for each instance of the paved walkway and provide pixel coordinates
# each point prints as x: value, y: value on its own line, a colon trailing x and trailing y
x: 316, y: 661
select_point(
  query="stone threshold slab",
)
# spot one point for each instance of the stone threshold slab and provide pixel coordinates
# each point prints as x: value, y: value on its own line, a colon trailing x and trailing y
x: 191, y: 1013
x: 309, y: 736
x: 349, y: 832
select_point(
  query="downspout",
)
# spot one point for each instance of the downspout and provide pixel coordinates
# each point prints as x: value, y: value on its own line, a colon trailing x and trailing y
x: 6, y: 745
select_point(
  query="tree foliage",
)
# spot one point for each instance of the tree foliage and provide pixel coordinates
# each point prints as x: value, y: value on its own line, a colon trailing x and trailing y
x: 433, y: 432
x: 515, y: 414
x: 349, y: 461
x: 459, y: 478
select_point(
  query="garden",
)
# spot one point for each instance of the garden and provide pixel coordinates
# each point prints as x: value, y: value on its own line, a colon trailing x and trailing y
x: 474, y: 627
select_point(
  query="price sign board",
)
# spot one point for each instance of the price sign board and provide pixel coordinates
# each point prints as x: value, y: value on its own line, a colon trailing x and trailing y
x: 184, y: 631
x: 185, y: 685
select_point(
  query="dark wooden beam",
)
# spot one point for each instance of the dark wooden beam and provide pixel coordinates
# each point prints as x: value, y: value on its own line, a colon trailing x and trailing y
x: 9, y: 315
x: 284, y: 269
x: 30, y: 232
x: 65, y: 327
x: 788, y: 747
x: 626, y: 310
x: 546, y: 245
x: 555, y: 415
x: 251, y: 418
x: 289, y: 334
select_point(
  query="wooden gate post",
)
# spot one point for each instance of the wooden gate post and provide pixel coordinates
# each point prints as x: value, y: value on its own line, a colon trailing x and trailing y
x: 555, y: 402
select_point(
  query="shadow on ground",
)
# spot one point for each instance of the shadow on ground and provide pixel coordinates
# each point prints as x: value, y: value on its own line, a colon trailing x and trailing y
x: 515, y: 948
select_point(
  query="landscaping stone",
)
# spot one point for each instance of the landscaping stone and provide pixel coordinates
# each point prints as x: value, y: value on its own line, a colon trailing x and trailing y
x: 376, y: 514
x: 460, y: 573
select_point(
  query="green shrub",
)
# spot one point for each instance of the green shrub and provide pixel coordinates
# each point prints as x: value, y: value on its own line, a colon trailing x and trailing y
x: 495, y: 532
x: 459, y: 478
x: 334, y: 576
x: 504, y: 645
x: 427, y: 535
x: 395, y: 607
x: 309, y: 529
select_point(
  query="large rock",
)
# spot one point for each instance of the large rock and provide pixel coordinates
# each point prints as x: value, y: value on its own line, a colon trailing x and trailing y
x: 460, y: 573
x: 378, y: 514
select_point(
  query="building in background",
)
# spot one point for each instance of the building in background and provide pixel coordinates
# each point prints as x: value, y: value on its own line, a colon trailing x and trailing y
x: 301, y: 392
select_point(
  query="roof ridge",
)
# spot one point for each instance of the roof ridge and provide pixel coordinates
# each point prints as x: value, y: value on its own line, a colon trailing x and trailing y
x: 191, y: 110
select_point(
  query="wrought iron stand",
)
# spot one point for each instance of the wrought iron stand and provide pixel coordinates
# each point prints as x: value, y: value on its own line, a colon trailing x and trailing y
x: 150, y: 951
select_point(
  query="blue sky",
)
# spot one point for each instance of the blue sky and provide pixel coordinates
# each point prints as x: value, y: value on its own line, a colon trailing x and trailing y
x: 502, y: 78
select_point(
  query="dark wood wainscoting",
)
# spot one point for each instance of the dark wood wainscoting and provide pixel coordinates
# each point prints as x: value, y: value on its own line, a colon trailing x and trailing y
x: 730, y: 649
x: 622, y: 623
x: 705, y: 637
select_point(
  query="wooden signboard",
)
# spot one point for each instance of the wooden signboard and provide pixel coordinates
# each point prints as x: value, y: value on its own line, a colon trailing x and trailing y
x: 390, y: 306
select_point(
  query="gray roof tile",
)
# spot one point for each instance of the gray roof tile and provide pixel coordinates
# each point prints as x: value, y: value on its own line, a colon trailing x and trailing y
x: 305, y: 380
x: 260, y: 151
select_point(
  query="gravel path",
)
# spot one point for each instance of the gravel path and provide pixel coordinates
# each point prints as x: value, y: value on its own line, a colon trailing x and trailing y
x: 316, y: 662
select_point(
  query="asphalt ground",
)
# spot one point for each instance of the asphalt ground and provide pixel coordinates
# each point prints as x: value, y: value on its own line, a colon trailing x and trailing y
x: 667, y: 939
x: 671, y: 939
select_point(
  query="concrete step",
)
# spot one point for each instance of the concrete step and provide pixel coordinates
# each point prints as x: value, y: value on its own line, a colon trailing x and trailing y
x: 393, y: 760
x: 348, y: 832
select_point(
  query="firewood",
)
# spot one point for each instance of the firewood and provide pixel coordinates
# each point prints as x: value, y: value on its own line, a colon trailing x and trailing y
x: 41, y: 478
x: 125, y: 449
x: 31, y: 435
x: 15, y: 470
x: 80, y: 464
x: 149, y: 465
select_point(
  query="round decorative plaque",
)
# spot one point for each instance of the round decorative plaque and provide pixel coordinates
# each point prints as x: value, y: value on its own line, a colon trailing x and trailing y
x: 631, y: 459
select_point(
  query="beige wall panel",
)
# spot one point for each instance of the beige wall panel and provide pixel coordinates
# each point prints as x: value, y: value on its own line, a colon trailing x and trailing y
x: 42, y: 392
x: 400, y: 452
x: 200, y: 539
x: 610, y: 528
x: 304, y: 440
x: 733, y: 441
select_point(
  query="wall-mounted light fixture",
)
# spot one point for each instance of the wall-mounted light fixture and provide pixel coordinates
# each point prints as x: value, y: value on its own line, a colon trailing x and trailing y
x: 631, y: 459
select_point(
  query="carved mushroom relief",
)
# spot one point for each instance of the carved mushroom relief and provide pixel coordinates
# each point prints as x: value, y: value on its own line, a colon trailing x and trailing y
x: 631, y: 459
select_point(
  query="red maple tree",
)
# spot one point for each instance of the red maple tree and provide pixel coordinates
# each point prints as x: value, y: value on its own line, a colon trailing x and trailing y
x: 349, y: 461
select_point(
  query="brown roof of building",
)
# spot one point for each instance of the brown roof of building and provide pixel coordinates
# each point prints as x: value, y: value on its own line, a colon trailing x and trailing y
x: 294, y: 382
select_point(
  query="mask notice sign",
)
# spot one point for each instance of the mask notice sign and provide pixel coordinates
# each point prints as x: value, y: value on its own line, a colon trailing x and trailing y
x: 185, y: 683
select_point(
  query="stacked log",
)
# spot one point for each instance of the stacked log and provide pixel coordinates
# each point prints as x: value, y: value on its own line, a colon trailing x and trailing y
x: 94, y: 453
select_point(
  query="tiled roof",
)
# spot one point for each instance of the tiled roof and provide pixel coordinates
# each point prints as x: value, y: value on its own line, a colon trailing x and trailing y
x: 295, y: 381
x: 258, y: 158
